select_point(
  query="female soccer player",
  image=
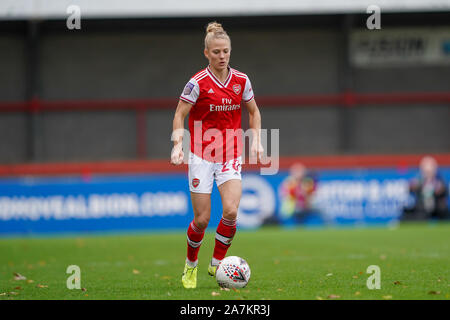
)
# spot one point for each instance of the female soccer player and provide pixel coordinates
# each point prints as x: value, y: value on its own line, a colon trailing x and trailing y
x: 212, y: 98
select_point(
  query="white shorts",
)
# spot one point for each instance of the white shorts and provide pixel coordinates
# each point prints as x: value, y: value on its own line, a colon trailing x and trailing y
x: 202, y: 173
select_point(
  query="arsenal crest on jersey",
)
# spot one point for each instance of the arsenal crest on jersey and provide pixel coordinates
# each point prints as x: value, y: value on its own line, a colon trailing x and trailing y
x: 237, y: 88
x: 195, y: 182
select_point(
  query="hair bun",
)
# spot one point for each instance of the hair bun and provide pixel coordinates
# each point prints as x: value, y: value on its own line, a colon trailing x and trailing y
x: 214, y: 27
x: 214, y: 30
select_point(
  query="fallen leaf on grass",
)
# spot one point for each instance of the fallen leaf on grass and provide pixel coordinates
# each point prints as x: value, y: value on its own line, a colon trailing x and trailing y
x: 355, y: 277
x: 80, y: 243
x: 397, y: 282
x: 166, y: 277
x: 319, y: 298
x: 235, y: 290
x: 83, y: 289
x: 41, y: 286
x: 136, y: 271
x: 215, y: 294
x: 329, y: 274
x: 357, y: 293
x: 3, y: 294
x: 279, y: 289
x: 333, y: 296
x: 434, y: 292
x: 18, y: 288
x: 30, y: 281
x: 14, y: 293
x: 224, y: 289
x: 18, y: 277
x: 387, y: 297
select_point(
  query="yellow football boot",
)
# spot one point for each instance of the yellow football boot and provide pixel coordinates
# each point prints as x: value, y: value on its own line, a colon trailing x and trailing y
x: 212, y: 270
x: 189, y: 278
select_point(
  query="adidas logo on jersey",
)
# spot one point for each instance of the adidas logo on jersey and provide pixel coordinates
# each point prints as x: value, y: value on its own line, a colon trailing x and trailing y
x: 211, y: 91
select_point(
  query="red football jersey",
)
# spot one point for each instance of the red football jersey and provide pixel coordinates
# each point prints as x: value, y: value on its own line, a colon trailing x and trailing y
x: 218, y: 106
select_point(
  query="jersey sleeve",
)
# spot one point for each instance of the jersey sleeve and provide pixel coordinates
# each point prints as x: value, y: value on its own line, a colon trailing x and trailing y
x: 247, y: 95
x: 190, y: 92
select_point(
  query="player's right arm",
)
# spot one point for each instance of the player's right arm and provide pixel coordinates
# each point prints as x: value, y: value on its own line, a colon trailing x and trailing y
x: 182, y: 111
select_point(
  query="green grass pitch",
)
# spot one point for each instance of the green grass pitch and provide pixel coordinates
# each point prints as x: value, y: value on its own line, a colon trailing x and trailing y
x: 297, y: 263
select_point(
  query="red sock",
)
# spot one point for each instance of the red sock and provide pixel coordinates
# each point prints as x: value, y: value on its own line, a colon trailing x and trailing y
x: 224, y: 235
x: 194, y: 240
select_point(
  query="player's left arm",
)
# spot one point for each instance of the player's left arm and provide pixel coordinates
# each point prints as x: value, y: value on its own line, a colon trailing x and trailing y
x: 256, y: 149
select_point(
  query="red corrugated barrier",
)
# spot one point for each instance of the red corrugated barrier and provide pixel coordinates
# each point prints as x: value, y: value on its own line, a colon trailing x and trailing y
x: 402, y: 162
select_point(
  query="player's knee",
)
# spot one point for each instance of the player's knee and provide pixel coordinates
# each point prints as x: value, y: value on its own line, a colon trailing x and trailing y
x: 202, y: 222
x: 230, y: 213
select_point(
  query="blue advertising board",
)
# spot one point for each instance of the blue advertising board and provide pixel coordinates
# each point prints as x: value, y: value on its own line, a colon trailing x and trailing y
x: 162, y: 201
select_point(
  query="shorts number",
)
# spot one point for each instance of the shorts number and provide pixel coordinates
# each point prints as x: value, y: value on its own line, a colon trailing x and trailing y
x: 224, y: 168
x: 235, y: 166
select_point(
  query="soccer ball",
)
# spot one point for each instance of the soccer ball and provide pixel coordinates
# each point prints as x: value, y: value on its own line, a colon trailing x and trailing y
x: 233, y: 272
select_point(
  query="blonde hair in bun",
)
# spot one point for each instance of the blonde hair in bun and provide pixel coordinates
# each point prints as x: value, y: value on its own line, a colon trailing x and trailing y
x: 214, y: 30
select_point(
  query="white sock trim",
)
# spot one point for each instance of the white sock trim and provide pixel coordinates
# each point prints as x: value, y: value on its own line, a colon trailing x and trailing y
x: 215, y: 262
x: 191, y: 264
